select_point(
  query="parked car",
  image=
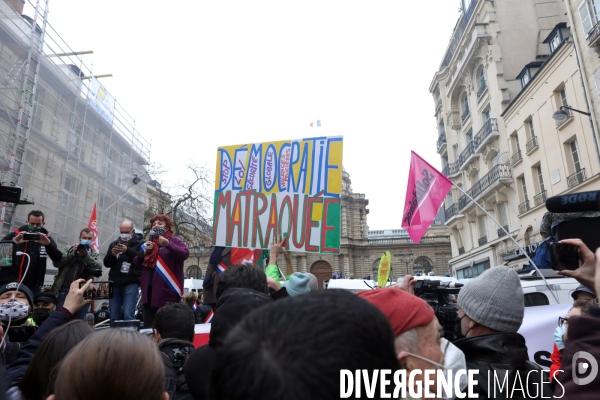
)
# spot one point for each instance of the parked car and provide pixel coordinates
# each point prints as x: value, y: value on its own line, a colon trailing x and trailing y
x: 538, y: 294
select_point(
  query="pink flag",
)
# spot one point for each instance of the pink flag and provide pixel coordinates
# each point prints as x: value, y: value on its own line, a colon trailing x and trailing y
x: 425, y: 193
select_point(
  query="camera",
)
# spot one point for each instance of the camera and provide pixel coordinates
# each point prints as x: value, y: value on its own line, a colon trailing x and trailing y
x: 438, y: 295
x: 83, y: 247
x: 96, y: 273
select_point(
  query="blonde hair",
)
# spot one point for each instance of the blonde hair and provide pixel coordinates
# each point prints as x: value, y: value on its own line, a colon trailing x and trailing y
x: 190, y: 297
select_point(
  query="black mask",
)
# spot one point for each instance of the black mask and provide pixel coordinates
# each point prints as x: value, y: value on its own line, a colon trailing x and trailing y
x: 457, y: 328
x: 40, y: 315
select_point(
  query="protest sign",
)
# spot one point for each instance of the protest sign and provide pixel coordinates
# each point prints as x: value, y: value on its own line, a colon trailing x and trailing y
x: 383, y: 273
x: 289, y: 188
x: 538, y: 328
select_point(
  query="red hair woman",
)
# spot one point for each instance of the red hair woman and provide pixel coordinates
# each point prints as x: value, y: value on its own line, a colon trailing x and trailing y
x: 161, y: 261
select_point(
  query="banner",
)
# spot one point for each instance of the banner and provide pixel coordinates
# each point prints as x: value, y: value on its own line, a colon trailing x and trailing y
x: 93, y: 225
x: 383, y: 273
x: 102, y: 101
x: 538, y: 328
x: 425, y: 193
x: 287, y: 189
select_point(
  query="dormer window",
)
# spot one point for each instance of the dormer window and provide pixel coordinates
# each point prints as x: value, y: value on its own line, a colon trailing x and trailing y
x: 556, y: 37
x: 525, y: 77
x: 528, y: 72
x: 555, y: 41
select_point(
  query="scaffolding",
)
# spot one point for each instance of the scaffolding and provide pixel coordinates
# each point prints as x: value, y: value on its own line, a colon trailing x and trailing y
x: 63, y: 152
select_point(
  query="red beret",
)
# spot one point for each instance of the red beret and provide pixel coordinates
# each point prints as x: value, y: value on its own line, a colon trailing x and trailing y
x: 404, y: 310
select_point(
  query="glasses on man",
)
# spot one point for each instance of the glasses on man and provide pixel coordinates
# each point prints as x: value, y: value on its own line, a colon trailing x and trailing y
x: 562, y: 321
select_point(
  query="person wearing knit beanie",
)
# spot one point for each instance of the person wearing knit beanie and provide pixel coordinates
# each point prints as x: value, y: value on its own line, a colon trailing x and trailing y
x: 297, y: 284
x: 490, y: 312
x: 494, y: 300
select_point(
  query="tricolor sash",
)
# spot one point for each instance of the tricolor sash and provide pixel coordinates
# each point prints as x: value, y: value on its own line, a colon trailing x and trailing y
x: 209, y: 317
x: 168, y: 276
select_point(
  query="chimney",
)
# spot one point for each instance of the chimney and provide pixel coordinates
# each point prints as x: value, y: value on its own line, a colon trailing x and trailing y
x: 17, y: 5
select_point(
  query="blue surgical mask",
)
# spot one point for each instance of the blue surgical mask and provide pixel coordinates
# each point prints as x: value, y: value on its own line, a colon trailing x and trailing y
x: 86, y: 242
x: 558, y: 336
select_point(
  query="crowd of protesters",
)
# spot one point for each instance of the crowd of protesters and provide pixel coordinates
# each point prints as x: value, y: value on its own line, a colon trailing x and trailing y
x: 270, y: 340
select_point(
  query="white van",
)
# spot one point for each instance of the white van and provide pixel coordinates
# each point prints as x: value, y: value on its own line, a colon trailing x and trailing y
x: 538, y: 294
x: 189, y: 284
x: 352, y: 285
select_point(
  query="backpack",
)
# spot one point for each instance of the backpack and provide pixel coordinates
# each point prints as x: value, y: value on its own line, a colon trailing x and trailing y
x: 175, y: 353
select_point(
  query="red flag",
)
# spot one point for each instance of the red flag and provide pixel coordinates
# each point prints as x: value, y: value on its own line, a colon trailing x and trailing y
x: 93, y: 225
x: 243, y: 256
x: 426, y: 190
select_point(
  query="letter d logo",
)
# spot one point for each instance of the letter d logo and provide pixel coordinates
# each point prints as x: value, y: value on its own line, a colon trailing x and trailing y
x: 581, y: 367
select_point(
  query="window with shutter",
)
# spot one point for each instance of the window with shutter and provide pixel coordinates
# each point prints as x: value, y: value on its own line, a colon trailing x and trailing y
x: 586, y: 18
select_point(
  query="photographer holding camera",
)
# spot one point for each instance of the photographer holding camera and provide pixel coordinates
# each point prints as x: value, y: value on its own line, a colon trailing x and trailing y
x: 78, y: 261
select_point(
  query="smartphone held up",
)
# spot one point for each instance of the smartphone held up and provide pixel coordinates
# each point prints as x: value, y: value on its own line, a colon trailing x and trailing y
x: 564, y: 256
x: 101, y: 290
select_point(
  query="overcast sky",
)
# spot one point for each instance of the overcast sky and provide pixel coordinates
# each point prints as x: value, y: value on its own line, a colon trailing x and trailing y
x: 197, y: 75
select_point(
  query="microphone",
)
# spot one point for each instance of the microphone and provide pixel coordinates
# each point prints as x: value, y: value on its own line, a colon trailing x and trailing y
x: 576, y: 202
x: 151, y: 234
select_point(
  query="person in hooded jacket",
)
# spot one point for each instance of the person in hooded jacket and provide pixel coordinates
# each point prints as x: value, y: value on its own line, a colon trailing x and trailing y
x: 126, y: 278
x: 233, y: 305
x: 38, y: 251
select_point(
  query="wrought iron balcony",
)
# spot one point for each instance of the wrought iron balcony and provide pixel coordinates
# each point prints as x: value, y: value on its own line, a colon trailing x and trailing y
x: 441, y: 142
x: 501, y: 232
x: 461, y: 250
x: 594, y: 35
x: 451, y: 212
x: 499, y: 174
x: 531, y: 144
x: 482, y: 240
x: 451, y: 169
x: 466, y: 114
x: 467, y: 154
x: 576, y: 178
x: 561, y: 123
x: 524, y: 207
x: 458, y: 33
x: 539, y: 198
x: 482, y: 89
x: 488, y: 131
x: 515, y: 158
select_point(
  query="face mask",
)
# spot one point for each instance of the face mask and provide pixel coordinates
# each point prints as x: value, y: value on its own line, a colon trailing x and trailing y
x: 558, y: 336
x: 125, y: 237
x: 32, y: 228
x: 454, y: 360
x: 159, y: 231
x: 86, y: 242
x: 13, y: 311
x: 457, y: 328
x: 40, y: 315
x: 437, y: 365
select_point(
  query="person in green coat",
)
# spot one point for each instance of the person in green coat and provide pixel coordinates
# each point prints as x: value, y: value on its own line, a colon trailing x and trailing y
x: 78, y: 261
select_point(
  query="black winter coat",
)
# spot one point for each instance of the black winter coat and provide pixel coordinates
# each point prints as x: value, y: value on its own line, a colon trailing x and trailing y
x: 37, y: 266
x: 124, y: 278
x: 503, y: 354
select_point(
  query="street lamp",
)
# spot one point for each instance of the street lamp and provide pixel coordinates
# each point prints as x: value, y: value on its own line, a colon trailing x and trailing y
x: 561, y: 114
x: 199, y: 250
x: 408, y: 261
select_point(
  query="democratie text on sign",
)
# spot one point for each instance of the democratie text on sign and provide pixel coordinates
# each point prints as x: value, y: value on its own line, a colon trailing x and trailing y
x: 287, y: 188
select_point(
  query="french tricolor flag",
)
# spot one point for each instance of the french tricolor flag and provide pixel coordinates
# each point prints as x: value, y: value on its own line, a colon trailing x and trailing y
x: 221, y: 267
x: 317, y: 123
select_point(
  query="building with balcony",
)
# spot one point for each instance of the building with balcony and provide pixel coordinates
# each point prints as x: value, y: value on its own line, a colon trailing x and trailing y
x: 583, y: 21
x: 559, y: 157
x: 495, y: 48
